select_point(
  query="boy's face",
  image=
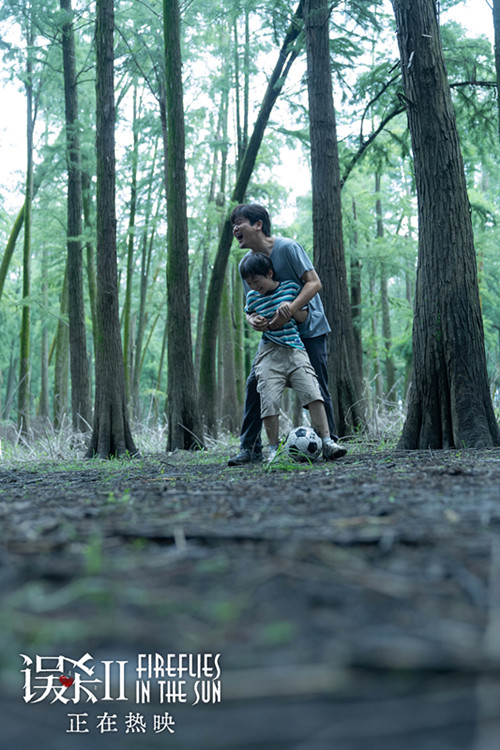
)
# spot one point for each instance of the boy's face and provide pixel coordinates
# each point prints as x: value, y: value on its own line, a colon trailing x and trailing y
x: 262, y: 284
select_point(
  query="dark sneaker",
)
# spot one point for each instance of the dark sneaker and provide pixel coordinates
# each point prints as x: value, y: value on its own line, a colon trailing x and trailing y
x: 332, y: 450
x: 245, y: 456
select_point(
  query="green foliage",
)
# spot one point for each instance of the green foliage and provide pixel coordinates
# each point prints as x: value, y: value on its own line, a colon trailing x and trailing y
x: 367, y: 92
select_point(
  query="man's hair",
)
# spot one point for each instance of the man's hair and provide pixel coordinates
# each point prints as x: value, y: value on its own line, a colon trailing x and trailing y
x: 253, y: 212
x: 255, y: 264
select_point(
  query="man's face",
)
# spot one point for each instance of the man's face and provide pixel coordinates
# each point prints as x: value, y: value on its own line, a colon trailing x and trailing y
x: 262, y: 284
x: 245, y: 232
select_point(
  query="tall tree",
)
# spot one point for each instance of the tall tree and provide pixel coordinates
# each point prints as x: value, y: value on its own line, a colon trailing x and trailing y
x: 23, y: 401
x: 496, y: 25
x: 390, y: 371
x: 111, y: 434
x: 449, y: 402
x: 287, y: 55
x: 80, y: 387
x: 329, y: 258
x: 128, y: 353
x: 184, y: 423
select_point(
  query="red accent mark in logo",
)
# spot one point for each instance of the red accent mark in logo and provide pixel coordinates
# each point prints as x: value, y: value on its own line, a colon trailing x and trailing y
x: 66, y: 681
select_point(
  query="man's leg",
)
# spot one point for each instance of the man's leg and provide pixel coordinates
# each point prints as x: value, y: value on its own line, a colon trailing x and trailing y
x: 316, y: 349
x: 250, y: 440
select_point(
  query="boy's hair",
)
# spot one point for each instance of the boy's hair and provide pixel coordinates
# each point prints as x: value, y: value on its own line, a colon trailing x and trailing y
x: 255, y: 264
x: 253, y: 212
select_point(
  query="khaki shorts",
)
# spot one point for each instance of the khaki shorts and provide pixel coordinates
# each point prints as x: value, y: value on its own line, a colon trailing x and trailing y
x: 279, y: 366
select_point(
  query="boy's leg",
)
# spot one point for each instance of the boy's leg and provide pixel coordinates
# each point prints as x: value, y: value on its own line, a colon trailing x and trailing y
x: 316, y: 349
x: 318, y: 418
x: 272, y: 427
x: 250, y: 441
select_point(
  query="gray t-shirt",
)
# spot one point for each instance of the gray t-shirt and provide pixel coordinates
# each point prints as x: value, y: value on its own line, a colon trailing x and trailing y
x: 290, y: 262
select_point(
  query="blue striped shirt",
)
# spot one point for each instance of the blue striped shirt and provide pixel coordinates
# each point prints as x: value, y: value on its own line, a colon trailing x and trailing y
x: 267, y: 304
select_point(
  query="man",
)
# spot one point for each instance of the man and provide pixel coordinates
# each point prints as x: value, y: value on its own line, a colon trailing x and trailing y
x: 252, y: 229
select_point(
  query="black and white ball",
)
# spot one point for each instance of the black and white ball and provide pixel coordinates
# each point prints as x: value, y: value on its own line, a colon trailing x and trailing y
x: 302, y: 444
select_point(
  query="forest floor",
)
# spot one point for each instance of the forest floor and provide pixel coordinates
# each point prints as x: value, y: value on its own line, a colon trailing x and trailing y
x: 355, y: 604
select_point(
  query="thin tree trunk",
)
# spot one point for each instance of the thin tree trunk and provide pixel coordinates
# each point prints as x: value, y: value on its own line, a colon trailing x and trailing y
x: 230, y: 412
x: 111, y: 434
x: 356, y: 290
x: 38, y: 177
x: 377, y: 374
x: 80, y: 388
x: 345, y: 379
x: 158, y: 389
x: 23, y: 394
x: 147, y: 250
x: 61, y: 367
x: 10, y: 386
x: 184, y: 423
x: 239, y: 328
x: 43, y: 404
x: 90, y: 251
x: 128, y: 353
x: 390, y: 372
x: 205, y: 241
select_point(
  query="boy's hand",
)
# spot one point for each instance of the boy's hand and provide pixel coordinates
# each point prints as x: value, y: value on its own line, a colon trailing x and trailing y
x: 258, y: 322
x: 282, y: 315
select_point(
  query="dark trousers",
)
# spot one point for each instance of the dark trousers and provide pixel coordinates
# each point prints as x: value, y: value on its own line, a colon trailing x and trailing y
x: 252, y: 423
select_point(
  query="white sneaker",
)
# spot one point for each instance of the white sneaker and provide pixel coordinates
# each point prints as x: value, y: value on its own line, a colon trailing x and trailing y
x: 271, y: 454
x: 332, y: 450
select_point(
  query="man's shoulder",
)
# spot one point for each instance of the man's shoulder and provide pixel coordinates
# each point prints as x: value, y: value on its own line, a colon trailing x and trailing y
x: 281, y: 243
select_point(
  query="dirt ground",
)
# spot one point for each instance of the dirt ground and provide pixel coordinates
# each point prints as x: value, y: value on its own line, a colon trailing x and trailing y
x: 355, y: 605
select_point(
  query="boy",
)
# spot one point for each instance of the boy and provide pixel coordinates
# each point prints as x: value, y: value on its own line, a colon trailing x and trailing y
x: 281, y: 359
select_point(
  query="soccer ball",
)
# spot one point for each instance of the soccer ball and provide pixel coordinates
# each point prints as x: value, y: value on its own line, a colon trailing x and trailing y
x: 302, y: 444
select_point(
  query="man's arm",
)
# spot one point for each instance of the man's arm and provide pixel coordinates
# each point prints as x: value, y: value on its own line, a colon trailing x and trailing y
x: 287, y: 310
x: 301, y: 315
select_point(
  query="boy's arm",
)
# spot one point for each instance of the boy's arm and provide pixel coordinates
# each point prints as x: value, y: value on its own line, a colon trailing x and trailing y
x: 258, y: 322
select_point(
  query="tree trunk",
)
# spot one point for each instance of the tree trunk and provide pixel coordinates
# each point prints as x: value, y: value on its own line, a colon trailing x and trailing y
x: 184, y: 423
x: 230, y: 412
x: 207, y: 370
x: 356, y: 290
x: 345, y: 379
x: 90, y: 251
x: 390, y: 371
x: 207, y: 232
x: 496, y: 25
x: 10, y: 385
x: 61, y: 367
x: 146, y: 253
x: 38, y: 177
x: 377, y: 375
x: 238, y: 303
x: 450, y: 403
x: 80, y: 388
x: 23, y: 394
x: 111, y: 434
x: 43, y: 404
x: 128, y: 353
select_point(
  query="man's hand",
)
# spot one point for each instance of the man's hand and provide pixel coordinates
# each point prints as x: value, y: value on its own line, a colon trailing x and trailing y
x: 258, y: 322
x: 282, y: 315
